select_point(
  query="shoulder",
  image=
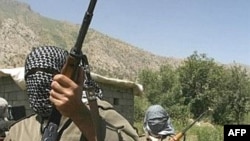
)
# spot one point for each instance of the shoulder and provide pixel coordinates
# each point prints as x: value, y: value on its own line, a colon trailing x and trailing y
x: 110, y: 115
x: 28, y: 128
x: 115, y: 122
x: 6, y: 124
x: 28, y: 120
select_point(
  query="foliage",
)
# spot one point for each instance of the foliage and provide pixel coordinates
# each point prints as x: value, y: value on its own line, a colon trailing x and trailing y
x: 200, y: 79
x: 151, y: 82
x: 239, y: 85
x: 200, y: 131
x: 209, y: 133
x: 163, y: 88
x: 141, y: 105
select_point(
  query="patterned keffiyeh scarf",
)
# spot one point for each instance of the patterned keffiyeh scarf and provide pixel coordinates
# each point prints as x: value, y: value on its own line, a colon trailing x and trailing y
x: 41, y: 64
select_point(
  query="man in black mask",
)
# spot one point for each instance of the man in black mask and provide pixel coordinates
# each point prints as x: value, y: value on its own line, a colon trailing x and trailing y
x: 46, y: 88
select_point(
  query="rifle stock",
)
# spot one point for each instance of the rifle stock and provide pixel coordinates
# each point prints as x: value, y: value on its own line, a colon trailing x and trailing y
x: 177, y: 137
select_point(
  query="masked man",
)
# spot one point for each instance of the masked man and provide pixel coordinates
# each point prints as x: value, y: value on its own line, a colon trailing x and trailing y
x: 157, y: 124
x: 48, y: 88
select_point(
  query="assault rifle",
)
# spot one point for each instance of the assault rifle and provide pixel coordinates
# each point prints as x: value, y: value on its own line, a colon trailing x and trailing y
x: 179, y: 135
x: 74, y: 60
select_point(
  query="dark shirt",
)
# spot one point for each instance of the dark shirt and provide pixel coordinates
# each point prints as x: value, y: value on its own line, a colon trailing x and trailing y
x: 4, y: 126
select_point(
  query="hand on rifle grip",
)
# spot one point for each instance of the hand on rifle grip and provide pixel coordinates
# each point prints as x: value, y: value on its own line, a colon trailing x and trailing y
x: 176, y: 137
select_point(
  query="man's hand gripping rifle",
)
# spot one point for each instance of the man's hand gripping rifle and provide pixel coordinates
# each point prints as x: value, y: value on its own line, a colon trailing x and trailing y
x: 75, y: 60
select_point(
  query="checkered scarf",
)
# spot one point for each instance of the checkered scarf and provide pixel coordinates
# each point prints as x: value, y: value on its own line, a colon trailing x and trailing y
x: 41, y: 64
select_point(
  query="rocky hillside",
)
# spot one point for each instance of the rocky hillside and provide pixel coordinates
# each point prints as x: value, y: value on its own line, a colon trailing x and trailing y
x: 21, y: 29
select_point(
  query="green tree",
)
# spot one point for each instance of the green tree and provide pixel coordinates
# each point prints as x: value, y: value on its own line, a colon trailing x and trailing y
x: 239, y: 87
x: 200, y: 79
x: 162, y: 87
x: 141, y: 105
x: 171, y: 98
x: 232, y: 102
x: 151, y: 83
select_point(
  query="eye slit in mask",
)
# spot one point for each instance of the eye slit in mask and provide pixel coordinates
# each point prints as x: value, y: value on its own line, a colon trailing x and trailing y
x: 47, y: 70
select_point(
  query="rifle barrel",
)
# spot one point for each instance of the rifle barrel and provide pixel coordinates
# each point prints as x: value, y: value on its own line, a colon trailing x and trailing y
x: 201, y: 115
x: 85, y: 25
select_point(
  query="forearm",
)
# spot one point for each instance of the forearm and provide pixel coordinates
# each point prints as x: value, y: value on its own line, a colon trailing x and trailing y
x: 84, y: 122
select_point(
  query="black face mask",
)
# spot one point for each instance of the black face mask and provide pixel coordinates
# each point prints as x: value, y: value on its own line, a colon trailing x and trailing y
x: 38, y: 87
x: 157, y: 126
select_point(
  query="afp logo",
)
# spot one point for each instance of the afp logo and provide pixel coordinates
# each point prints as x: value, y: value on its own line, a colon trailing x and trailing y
x: 239, y: 132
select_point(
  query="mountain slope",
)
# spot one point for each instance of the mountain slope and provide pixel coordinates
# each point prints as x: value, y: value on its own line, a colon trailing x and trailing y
x: 21, y: 29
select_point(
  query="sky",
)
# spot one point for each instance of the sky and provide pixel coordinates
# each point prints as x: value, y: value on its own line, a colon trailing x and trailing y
x: 170, y: 28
